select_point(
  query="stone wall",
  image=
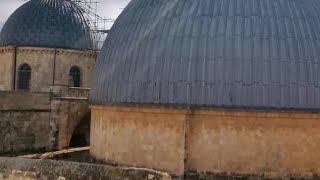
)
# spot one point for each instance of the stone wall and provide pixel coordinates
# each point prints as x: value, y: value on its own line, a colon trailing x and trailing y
x: 30, y: 169
x: 17, y: 100
x: 67, y: 114
x: 41, y: 61
x: 46, y: 118
x: 69, y: 108
x: 275, y: 144
x: 41, y: 121
x: 85, y: 60
x: 24, y: 127
x: 6, y: 68
x: 24, y: 131
x: 49, y: 66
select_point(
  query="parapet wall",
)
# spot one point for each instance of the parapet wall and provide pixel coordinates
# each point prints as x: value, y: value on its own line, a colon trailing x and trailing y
x: 19, y: 100
x: 178, y: 141
x: 24, y: 121
x: 41, y: 121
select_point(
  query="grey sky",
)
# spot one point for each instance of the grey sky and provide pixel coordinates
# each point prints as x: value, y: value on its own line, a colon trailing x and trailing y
x: 107, y: 8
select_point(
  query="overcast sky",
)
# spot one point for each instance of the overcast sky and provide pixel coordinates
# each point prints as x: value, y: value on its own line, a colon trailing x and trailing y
x: 107, y: 8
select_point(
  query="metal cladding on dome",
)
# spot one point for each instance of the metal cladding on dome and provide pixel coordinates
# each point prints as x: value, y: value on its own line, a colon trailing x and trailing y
x: 47, y: 23
x: 213, y: 53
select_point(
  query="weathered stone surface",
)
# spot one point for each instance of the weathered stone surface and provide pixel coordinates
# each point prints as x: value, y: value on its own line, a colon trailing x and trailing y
x: 15, y: 168
x: 6, y: 68
x: 24, y: 130
x: 67, y: 114
x: 41, y: 121
x: 24, y: 121
x: 47, y: 117
x: 49, y: 66
x: 19, y: 100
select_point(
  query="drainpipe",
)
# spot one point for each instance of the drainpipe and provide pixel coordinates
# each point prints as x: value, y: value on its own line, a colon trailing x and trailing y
x: 14, y: 69
x: 54, y: 66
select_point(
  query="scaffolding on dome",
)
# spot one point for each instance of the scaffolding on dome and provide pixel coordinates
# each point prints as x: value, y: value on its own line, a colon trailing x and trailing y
x: 98, y: 25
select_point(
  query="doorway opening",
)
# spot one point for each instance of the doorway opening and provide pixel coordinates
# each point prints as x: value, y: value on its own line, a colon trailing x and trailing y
x: 81, y: 135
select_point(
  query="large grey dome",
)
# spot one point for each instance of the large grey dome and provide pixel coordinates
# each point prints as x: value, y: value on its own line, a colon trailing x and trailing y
x: 213, y: 53
x: 47, y: 23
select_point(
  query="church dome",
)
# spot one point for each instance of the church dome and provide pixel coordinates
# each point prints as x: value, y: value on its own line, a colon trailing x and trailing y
x: 47, y: 23
x: 260, y: 54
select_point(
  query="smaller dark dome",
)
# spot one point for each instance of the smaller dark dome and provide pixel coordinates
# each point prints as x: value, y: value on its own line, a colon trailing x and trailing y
x: 47, y: 23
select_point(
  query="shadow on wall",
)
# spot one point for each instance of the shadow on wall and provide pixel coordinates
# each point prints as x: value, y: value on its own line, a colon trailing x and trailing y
x: 81, y: 135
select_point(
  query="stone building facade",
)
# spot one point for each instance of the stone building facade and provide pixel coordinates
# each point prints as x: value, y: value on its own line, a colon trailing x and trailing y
x: 49, y: 67
x: 45, y: 73
x: 44, y: 121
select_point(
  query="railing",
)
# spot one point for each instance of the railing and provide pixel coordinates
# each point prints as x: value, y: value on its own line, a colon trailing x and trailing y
x: 70, y: 92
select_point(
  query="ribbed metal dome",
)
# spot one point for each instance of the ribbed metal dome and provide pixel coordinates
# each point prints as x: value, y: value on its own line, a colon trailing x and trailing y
x: 213, y: 53
x: 47, y: 23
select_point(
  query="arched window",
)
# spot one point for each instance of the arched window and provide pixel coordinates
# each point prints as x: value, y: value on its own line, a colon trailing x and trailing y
x: 75, y: 77
x: 24, y: 77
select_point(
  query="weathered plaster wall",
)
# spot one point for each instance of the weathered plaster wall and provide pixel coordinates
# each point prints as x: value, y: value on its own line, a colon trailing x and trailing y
x: 139, y: 137
x: 217, y: 141
x: 31, y: 169
x: 49, y: 66
x: 6, y: 68
x: 254, y: 142
x: 26, y: 126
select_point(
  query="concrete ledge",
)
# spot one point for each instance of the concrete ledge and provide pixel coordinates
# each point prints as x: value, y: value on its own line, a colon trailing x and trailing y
x: 71, y: 98
x: 49, y: 169
x: 24, y: 110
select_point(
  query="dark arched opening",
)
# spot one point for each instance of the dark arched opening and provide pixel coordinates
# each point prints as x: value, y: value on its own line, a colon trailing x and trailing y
x: 75, y: 77
x: 81, y: 135
x: 24, y: 77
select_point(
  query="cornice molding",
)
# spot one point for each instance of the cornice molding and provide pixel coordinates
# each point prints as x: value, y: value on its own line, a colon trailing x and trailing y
x: 40, y: 50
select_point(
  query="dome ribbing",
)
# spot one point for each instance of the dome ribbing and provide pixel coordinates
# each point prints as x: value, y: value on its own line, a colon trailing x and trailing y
x: 213, y: 53
x: 47, y: 23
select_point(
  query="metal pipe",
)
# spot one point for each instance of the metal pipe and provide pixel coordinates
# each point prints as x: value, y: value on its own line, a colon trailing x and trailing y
x: 14, y: 69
